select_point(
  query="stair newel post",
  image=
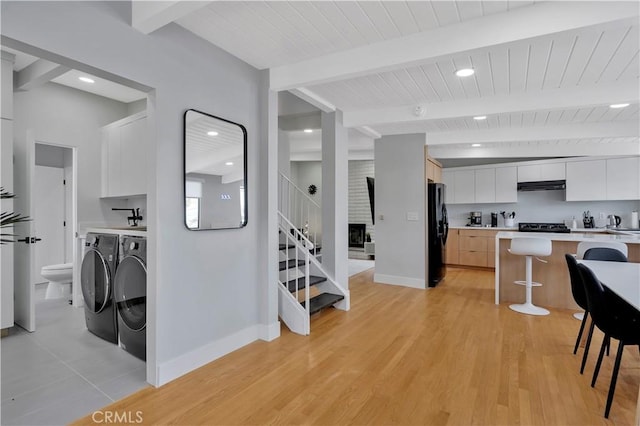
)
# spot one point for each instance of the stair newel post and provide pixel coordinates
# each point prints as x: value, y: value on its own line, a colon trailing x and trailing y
x: 306, y: 283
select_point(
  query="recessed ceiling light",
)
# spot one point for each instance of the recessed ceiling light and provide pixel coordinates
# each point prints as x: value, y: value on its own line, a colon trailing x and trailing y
x: 86, y: 79
x: 465, y: 72
x: 480, y: 117
x: 212, y: 133
x: 308, y: 130
x: 475, y: 145
x: 618, y: 105
x: 229, y: 163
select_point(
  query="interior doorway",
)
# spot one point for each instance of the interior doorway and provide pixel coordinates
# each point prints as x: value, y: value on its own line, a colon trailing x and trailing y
x: 54, y: 210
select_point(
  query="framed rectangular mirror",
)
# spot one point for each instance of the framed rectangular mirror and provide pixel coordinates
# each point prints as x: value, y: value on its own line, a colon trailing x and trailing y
x: 215, y: 172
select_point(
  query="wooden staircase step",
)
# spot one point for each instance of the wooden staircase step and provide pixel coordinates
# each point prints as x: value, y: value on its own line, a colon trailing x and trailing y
x: 321, y: 301
x: 291, y: 263
x: 313, y: 280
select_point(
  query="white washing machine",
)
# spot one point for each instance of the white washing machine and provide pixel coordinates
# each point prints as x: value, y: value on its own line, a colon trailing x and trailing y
x: 130, y: 296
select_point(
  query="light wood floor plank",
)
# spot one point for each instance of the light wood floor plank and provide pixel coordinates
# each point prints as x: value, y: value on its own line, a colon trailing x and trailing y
x: 402, y: 356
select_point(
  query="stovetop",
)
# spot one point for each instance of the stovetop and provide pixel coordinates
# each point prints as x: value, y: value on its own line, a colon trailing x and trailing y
x: 543, y: 227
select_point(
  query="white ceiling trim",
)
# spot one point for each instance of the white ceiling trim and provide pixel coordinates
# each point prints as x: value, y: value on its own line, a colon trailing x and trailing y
x: 522, y: 134
x: 368, y: 131
x: 563, y: 98
x: 38, y: 73
x: 429, y: 46
x: 556, y: 149
x: 148, y: 16
x: 314, y: 99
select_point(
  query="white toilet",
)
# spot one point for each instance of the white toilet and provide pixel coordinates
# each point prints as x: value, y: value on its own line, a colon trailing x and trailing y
x: 59, y: 277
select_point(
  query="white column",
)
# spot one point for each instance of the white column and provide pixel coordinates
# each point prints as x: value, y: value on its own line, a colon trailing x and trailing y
x: 284, y: 154
x: 335, y: 197
x: 400, y: 197
x: 6, y: 181
x: 267, y: 219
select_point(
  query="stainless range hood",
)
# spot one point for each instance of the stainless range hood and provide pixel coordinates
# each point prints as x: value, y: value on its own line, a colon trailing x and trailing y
x: 546, y: 185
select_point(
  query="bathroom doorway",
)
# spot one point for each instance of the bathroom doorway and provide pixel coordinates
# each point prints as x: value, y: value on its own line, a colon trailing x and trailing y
x: 49, y: 194
x: 52, y: 213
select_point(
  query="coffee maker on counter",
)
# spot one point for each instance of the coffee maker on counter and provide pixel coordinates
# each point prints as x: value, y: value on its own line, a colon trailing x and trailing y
x: 475, y: 219
x: 494, y: 219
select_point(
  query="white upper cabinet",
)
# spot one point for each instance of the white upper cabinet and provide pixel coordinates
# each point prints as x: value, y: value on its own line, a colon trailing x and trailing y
x: 586, y: 180
x: 623, y: 179
x: 464, y: 187
x: 485, y: 185
x: 124, y: 157
x: 506, y: 184
x: 539, y: 172
x: 447, y: 179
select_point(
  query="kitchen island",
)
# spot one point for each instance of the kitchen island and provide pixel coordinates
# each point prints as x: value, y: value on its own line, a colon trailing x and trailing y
x: 554, y: 276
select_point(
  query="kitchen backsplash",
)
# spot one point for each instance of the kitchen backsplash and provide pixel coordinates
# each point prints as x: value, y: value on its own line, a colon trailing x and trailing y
x: 546, y: 206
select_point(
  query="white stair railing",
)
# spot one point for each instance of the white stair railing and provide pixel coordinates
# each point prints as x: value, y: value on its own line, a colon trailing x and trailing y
x: 295, y: 316
x: 304, y: 214
x: 290, y: 310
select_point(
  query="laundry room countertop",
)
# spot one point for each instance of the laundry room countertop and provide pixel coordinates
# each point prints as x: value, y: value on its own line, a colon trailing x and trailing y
x: 139, y: 231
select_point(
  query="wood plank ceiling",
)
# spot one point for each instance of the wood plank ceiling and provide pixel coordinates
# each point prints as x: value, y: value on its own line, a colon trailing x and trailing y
x: 548, y: 88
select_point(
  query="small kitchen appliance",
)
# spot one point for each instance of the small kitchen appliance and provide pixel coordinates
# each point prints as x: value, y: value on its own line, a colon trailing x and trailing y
x: 613, y: 221
x: 560, y: 228
x: 587, y: 220
x: 494, y: 219
x: 475, y: 219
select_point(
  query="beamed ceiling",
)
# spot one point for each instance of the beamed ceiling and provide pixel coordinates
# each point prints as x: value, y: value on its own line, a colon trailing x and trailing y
x: 545, y: 72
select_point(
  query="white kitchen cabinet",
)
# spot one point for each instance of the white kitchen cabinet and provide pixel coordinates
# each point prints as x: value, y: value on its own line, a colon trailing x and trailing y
x: 464, y: 187
x: 506, y: 184
x: 541, y: 172
x: 447, y: 179
x: 623, y: 178
x: 124, y: 157
x: 586, y: 180
x: 553, y: 171
x: 485, y: 186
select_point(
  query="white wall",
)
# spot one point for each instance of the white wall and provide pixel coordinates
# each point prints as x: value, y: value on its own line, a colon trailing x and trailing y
x: 400, y: 189
x: 203, y: 287
x: 303, y: 174
x: 546, y: 207
x: 307, y: 173
x: 359, y: 207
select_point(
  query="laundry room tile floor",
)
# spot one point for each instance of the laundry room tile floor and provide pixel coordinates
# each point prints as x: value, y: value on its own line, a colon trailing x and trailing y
x: 62, y: 372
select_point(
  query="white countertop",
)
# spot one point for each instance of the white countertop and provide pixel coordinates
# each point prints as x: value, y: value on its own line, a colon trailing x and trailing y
x: 133, y: 231
x: 573, y: 236
x: 484, y: 228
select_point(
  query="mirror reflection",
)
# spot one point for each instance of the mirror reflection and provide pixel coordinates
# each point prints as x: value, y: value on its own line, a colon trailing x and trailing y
x: 214, y: 172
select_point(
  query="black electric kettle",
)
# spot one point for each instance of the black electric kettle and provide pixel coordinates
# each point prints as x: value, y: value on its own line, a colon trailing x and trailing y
x: 614, y: 221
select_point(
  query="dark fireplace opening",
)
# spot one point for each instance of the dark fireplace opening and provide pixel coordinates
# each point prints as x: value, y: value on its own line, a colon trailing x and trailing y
x: 356, y: 234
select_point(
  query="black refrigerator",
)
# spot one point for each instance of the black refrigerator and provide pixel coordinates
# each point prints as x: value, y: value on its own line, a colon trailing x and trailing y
x: 437, y: 232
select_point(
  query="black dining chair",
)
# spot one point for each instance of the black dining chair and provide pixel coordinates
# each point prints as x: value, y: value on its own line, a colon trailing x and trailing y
x: 615, y: 318
x: 605, y: 253
x: 579, y: 295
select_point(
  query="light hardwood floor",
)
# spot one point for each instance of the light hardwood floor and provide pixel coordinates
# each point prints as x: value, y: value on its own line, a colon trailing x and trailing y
x: 404, y: 356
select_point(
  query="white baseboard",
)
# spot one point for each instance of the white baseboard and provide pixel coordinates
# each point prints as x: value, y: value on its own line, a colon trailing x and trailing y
x: 269, y: 332
x: 183, y: 364
x: 403, y: 281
